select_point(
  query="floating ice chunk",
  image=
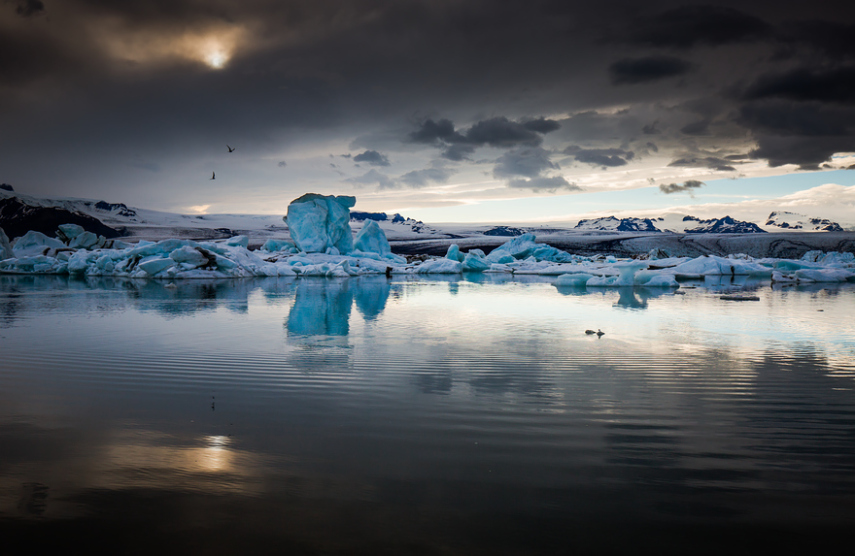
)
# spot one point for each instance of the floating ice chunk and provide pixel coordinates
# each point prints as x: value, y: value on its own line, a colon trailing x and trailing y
x: 156, y: 265
x: 34, y: 264
x: 602, y: 281
x: 473, y: 263
x: 35, y: 243
x: 277, y: 245
x: 780, y: 277
x: 67, y: 232
x: 627, y: 272
x: 834, y: 257
x: 372, y: 239
x: 523, y: 247
x: 440, y: 266
x: 655, y: 279
x: 824, y: 275
x: 708, y: 265
x: 454, y: 253
x: 5, y: 247
x: 238, y: 241
x: 317, y: 222
x: 573, y: 280
x: 790, y: 265
x: 84, y: 240
x: 189, y: 255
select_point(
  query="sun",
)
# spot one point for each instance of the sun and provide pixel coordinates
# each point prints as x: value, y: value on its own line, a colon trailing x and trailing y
x: 216, y: 59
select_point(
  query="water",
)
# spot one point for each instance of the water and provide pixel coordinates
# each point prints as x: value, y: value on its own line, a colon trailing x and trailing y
x: 421, y: 416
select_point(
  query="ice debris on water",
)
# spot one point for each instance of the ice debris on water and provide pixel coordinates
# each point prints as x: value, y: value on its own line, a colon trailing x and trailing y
x: 322, y: 244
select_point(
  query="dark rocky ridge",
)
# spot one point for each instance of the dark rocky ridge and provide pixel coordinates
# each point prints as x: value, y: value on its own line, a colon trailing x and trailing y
x: 17, y: 218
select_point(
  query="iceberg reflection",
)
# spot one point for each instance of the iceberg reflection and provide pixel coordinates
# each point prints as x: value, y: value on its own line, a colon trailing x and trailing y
x: 322, y: 306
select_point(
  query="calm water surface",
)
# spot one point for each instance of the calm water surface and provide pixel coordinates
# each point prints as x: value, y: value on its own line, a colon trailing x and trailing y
x: 419, y: 416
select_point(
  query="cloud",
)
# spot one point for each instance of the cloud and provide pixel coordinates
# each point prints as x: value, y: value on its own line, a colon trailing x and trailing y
x: 543, y: 183
x: 420, y: 178
x: 689, y: 26
x: 631, y: 71
x: 29, y: 8
x: 600, y: 157
x: 495, y: 132
x: 528, y: 162
x: 689, y: 186
x: 431, y: 132
x: 542, y: 125
x: 501, y: 132
x: 701, y: 127
x: 803, y: 84
x: 458, y: 152
x: 372, y: 158
x: 373, y: 177
x: 803, y: 133
x: 711, y: 162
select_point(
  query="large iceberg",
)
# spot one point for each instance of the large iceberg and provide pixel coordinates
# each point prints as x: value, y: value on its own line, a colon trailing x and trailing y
x: 321, y: 223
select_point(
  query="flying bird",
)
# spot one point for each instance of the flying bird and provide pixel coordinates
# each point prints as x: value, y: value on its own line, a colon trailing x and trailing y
x: 229, y: 148
x: 213, y: 175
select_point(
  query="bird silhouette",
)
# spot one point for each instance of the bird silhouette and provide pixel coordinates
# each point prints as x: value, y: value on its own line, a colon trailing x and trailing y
x: 229, y: 148
x: 213, y: 175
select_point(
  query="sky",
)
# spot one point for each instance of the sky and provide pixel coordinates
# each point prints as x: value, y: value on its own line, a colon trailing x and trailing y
x: 443, y: 110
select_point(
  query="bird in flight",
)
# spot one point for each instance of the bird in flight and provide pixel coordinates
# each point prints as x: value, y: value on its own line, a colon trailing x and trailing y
x: 229, y: 148
x: 213, y: 175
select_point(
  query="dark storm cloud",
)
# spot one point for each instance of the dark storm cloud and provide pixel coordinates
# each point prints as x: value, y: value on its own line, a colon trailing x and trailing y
x: 631, y: 71
x: 458, y: 152
x: 804, y: 84
x: 711, y: 162
x: 430, y: 132
x: 833, y: 39
x: 542, y: 125
x: 689, y: 185
x: 701, y: 127
x: 29, y: 8
x: 501, y: 132
x: 127, y: 79
x: 528, y: 162
x: 600, y: 157
x: 689, y: 26
x: 549, y: 184
x: 372, y: 158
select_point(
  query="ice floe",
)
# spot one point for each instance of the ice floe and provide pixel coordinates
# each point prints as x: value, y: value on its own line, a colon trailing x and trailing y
x: 322, y: 245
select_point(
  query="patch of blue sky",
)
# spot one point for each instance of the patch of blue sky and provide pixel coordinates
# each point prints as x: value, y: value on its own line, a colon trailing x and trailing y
x: 546, y: 207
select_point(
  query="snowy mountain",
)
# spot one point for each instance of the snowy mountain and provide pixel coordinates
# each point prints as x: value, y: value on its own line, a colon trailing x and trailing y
x: 794, y: 221
x: 504, y: 231
x: 612, y: 224
x: 726, y: 225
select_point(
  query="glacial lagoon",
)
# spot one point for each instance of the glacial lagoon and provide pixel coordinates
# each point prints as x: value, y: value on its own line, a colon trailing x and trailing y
x: 424, y: 415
